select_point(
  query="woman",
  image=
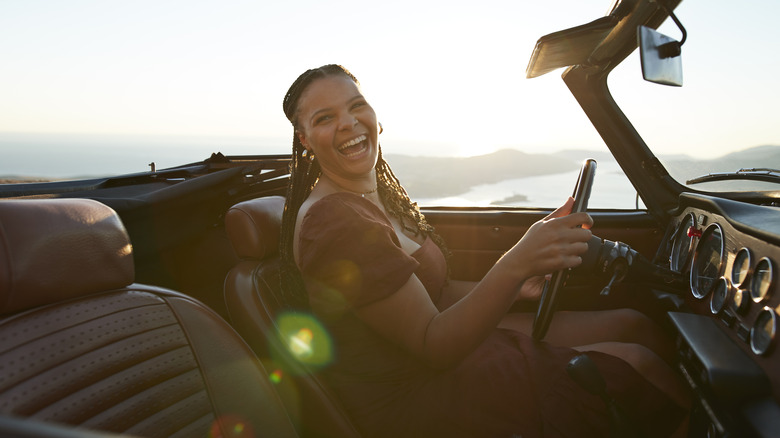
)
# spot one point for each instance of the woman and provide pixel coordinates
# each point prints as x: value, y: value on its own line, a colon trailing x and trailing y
x: 418, y: 355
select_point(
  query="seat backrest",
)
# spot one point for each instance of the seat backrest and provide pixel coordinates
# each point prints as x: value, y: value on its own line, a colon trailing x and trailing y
x: 253, y: 228
x: 82, y: 345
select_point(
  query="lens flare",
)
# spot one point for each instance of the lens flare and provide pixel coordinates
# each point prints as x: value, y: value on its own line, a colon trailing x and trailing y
x: 276, y: 376
x: 305, y: 338
x: 230, y: 426
x: 344, y: 276
x: 301, y: 343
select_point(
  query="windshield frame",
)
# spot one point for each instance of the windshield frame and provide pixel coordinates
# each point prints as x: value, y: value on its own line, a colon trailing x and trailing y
x: 588, y: 84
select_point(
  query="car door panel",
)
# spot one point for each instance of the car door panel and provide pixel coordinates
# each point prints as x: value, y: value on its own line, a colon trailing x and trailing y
x: 478, y: 238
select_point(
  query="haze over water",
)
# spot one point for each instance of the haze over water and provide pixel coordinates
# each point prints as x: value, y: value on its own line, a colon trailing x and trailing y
x: 84, y: 156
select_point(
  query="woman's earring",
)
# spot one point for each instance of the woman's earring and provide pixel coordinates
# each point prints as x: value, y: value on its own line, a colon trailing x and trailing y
x: 381, y: 129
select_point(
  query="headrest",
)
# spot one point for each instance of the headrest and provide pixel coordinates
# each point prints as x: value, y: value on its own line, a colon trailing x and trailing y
x: 254, y: 226
x: 55, y: 249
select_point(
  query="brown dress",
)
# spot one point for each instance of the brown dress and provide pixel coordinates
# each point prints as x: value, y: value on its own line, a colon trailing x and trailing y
x: 509, y: 386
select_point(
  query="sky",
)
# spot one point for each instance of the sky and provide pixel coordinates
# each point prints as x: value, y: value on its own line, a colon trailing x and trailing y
x: 445, y: 77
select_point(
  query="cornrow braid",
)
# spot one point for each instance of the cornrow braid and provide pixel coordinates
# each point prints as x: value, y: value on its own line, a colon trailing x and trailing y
x: 398, y: 204
x: 304, y: 173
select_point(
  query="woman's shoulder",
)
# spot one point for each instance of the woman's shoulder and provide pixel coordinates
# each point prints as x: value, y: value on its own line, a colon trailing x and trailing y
x: 344, y: 207
x: 347, y: 244
x: 335, y: 216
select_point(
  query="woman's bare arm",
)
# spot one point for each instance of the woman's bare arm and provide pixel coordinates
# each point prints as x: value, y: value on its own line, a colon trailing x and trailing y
x: 453, y: 292
x: 444, y: 337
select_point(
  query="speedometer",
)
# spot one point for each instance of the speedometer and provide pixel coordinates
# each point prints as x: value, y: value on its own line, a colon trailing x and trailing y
x: 707, y: 261
x: 682, y: 244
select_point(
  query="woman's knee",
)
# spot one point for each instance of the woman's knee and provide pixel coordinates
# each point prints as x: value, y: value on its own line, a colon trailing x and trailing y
x: 652, y: 367
x: 634, y: 327
x: 643, y: 359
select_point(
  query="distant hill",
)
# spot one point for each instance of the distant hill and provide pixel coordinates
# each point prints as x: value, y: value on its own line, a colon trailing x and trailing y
x: 425, y: 177
x: 684, y: 167
x: 438, y: 177
x: 579, y: 155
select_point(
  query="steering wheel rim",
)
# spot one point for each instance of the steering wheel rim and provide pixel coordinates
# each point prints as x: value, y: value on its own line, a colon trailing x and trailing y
x: 546, y: 308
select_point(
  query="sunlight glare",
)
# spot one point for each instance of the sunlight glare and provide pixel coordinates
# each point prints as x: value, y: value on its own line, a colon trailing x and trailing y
x: 305, y: 338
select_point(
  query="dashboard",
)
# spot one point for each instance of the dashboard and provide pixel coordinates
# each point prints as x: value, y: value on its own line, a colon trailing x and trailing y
x: 727, y: 327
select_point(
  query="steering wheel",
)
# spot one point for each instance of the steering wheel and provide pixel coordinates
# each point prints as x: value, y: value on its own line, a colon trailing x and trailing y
x: 547, y: 302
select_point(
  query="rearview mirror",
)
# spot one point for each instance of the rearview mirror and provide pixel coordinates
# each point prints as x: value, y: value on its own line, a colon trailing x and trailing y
x: 660, y: 57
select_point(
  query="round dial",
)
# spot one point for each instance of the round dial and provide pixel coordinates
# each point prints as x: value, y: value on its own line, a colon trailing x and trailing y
x: 682, y: 245
x: 763, y: 280
x: 763, y: 332
x: 720, y: 294
x: 707, y: 261
x: 741, y: 268
x: 740, y: 301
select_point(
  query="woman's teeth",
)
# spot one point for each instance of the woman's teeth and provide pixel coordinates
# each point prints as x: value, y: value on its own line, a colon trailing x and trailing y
x: 352, y: 142
x: 349, y: 148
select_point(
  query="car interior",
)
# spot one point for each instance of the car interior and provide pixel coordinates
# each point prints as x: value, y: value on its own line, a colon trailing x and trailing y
x: 84, y: 345
x: 143, y: 305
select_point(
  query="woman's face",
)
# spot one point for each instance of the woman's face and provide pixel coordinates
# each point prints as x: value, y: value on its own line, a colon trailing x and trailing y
x: 337, y: 124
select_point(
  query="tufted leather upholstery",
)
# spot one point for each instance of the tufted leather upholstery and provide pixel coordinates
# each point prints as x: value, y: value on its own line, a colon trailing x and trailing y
x: 253, y: 228
x: 81, y: 345
x: 32, y: 246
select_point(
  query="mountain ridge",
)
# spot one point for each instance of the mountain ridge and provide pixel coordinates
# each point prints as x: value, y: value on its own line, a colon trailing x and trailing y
x: 424, y: 176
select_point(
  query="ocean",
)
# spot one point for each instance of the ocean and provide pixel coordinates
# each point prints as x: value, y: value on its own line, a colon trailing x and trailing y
x: 611, y: 189
x: 74, y: 156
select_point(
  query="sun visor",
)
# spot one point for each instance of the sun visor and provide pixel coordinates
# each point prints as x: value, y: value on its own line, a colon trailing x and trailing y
x: 568, y: 47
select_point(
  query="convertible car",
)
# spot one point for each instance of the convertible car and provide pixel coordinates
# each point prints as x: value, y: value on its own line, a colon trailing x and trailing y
x: 140, y: 305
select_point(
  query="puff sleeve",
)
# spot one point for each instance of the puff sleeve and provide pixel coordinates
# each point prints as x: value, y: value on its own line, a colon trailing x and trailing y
x: 350, y: 255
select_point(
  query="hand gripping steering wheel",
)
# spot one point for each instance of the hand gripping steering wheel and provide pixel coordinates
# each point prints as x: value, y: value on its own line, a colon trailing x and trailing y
x: 547, y: 302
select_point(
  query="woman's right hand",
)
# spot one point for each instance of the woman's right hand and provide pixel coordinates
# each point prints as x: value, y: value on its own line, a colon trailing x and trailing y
x: 551, y: 244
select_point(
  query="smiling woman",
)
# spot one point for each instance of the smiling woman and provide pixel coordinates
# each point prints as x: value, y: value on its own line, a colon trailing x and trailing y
x: 358, y: 254
x: 413, y: 337
x: 334, y: 106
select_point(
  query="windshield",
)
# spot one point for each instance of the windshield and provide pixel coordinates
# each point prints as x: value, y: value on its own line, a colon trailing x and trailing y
x: 724, y: 117
x: 92, y: 88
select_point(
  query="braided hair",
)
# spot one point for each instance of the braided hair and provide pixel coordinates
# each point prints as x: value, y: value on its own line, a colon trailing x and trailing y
x: 304, y: 173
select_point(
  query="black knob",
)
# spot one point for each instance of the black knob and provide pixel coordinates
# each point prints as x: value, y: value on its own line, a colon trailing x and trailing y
x: 583, y: 371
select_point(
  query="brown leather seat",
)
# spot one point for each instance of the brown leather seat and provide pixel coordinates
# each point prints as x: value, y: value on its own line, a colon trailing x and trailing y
x: 81, y: 345
x: 253, y: 228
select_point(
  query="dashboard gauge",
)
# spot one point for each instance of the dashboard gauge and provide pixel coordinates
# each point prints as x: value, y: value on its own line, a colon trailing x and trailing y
x: 720, y: 295
x: 763, y: 332
x: 682, y: 244
x: 740, y: 301
x: 741, y: 268
x: 763, y: 280
x: 707, y: 261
